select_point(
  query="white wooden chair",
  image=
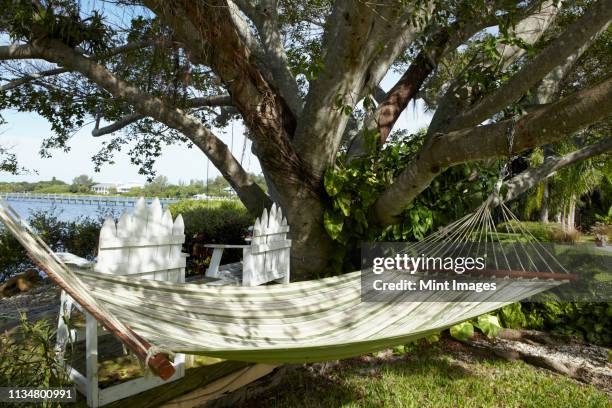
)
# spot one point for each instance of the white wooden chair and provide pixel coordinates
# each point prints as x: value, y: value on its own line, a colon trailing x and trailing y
x: 145, y: 245
x: 265, y: 259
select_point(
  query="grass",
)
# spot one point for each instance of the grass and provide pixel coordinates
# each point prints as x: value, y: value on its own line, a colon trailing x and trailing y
x: 433, y: 378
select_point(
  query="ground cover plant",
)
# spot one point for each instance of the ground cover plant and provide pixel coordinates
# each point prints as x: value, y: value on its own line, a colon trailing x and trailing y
x: 439, y: 375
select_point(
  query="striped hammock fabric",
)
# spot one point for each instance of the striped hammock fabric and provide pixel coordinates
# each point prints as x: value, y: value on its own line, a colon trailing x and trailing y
x: 297, y: 322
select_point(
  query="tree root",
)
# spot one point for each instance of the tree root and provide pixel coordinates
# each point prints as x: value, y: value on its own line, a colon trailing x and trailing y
x: 584, y: 362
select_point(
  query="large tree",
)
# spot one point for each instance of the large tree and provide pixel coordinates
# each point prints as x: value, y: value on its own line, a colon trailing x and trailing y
x: 305, y: 79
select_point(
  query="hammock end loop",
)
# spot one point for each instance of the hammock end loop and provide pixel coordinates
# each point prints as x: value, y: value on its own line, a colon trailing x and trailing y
x: 160, y: 364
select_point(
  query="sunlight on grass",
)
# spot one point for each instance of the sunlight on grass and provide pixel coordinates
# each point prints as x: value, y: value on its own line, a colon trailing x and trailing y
x: 431, y: 381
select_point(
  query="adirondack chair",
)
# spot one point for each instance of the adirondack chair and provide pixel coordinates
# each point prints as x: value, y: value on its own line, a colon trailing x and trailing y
x: 145, y: 245
x: 264, y: 260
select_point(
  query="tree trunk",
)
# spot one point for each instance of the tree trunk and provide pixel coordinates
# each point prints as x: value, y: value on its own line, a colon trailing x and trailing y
x: 311, y: 246
x: 544, y: 204
x: 571, y: 215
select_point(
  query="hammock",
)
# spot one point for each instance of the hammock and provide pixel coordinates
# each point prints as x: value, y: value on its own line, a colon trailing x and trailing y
x: 298, y: 322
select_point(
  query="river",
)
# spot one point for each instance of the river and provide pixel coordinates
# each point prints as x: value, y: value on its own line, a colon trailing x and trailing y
x: 67, y: 211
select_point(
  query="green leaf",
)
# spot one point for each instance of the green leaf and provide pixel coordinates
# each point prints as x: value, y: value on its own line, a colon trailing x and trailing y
x: 344, y: 203
x: 333, y: 224
x: 489, y: 325
x: 332, y: 183
x: 462, y: 331
x: 360, y: 217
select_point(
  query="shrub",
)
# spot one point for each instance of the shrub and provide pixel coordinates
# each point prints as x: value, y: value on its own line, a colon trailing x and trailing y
x: 588, y: 321
x: 568, y: 237
x: 602, y: 231
x: 541, y: 231
x: 27, y: 358
x: 210, y: 222
x: 79, y: 236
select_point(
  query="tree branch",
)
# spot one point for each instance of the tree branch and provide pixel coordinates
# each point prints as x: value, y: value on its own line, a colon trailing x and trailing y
x: 31, y: 77
x: 27, y: 78
x: 351, y: 44
x: 533, y: 176
x: 204, y: 28
x: 547, y: 124
x: 249, y: 192
x: 407, y: 87
x: 115, y: 126
x: 592, y: 23
x: 216, y: 100
x: 458, y: 96
x: 17, y: 51
x: 265, y: 17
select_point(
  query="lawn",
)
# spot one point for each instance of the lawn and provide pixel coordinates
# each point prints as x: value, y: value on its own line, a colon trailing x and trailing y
x: 435, y: 377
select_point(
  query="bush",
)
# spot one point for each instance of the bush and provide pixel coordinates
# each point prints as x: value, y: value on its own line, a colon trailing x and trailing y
x: 213, y: 222
x: 602, y: 231
x: 543, y: 232
x: 27, y: 358
x: 567, y: 237
x: 589, y: 321
x: 79, y: 236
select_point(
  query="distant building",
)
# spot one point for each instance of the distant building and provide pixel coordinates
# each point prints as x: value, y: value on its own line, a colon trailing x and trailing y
x: 103, y: 188
x: 108, y: 188
x: 126, y: 187
x: 229, y: 191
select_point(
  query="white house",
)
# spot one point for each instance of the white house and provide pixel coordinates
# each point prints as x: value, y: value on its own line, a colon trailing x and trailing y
x: 126, y: 187
x: 103, y: 188
x: 107, y: 188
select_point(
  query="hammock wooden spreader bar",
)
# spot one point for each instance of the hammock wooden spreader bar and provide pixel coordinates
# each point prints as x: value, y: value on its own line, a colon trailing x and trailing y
x: 159, y: 363
x: 561, y: 276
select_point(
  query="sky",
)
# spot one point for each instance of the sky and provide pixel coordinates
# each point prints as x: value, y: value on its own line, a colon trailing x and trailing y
x: 24, y: 133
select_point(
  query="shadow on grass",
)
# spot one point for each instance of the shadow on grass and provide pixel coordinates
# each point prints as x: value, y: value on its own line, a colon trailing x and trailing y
x: 359, y: 382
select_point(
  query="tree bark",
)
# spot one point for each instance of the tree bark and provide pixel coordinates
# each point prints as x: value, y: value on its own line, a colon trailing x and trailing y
x: 591, y: 24
x: 544, y: 203
x: 545, y: 125
x: 458, y: 96
x: 533, y: 176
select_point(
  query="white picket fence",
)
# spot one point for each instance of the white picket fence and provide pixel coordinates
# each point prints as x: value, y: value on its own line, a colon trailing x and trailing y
x: 266, y: 259
x: 144, y: 245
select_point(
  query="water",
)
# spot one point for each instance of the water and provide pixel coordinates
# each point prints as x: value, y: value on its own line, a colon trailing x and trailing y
x: 67, y: 211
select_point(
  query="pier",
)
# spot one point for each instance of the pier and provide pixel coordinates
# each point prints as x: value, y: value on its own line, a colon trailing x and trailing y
x: 104, y: 200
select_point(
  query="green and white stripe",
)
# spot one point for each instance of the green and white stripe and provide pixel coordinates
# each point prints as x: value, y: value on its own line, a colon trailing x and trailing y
x: 296, y: 322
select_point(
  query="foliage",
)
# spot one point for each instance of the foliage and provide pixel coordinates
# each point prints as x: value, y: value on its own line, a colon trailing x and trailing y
x: 208, y: 222
x: 602, y: 231
x: 27, y: 358
x: 606, y: 218
x: 81, y: 184
x: 8, y: 161
x: 50, y: 186
x: 79, y: 236
x: 462, y: 331
x: 486, y: 323
x: 354, y: 187
x: 589, y: 321
x: 543, y: 232
x: 571, y: 236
